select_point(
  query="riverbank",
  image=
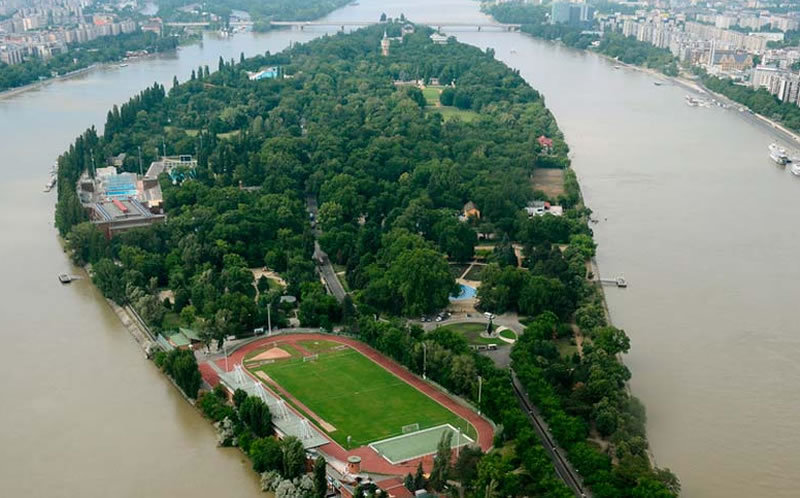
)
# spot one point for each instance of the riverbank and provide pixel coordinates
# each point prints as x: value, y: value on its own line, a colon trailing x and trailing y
x: 699, y: 88
x: 39, y: 84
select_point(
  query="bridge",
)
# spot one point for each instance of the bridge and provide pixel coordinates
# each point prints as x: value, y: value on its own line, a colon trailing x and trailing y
x: 342, y: 24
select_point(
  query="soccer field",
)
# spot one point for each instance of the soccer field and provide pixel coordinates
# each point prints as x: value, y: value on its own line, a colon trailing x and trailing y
x: 358, y: 397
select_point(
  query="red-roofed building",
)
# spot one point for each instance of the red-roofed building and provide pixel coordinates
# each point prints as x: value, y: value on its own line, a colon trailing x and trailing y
x: 545, y: 143
x: 395, y: 488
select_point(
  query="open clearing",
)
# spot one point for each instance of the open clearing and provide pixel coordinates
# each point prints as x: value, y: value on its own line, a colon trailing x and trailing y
x: 449, y: 112
x: 472, y: 333
x: 431, y: 94
x: 357, y: 396
x: 550, y: 181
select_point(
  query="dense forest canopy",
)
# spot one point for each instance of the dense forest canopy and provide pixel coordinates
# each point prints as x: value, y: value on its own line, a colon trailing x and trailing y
x: 391, y: 176
x: 387, y: 172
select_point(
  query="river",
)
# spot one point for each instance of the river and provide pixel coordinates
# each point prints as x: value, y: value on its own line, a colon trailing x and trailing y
x: 692, y: 213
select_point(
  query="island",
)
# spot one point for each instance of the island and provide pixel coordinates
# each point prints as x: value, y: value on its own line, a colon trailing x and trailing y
x: 325, y: 247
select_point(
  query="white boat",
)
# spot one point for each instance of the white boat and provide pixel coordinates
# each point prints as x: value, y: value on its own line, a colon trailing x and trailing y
x: 123, y: 65
x: 796, y: 169
x: 51, y: 182
x: 778, y: 154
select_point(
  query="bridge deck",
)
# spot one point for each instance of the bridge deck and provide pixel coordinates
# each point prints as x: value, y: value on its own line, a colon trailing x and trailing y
x: 440, y: 24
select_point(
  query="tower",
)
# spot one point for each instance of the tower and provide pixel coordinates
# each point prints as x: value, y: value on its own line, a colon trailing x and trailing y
x: 385, y: 45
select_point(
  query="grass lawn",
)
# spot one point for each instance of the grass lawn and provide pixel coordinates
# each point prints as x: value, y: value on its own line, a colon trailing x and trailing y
x: 172, y: 321
x: 358, y: 397
x: 274, y: 284
x: 230, y: 134
x: 431, y: 94
x: 509, y: 334
x: 565, y: 348
x: 188, y: 131
x: 318, y: 346
x: 449, y: 112
x: 472, y: 333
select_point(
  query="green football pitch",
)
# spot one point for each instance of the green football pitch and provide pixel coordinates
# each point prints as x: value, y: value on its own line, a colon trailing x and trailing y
x: 359, y: 398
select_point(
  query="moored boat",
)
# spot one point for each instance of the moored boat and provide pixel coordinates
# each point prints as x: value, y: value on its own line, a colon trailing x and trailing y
x: 51, y: 182
x: 778, y: 154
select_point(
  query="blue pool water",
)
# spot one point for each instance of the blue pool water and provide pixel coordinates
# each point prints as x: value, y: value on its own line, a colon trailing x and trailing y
x: 465, y: 292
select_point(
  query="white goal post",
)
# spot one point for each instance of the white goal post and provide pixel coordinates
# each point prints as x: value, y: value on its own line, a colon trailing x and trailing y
x: 410, y: 428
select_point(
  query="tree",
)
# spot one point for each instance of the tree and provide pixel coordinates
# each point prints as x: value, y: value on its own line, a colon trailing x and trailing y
x: 239, y: 396
x: 181, y: 365
x: 423, y: 281
x: 266, y: 454
x: 383, y: 17
x: 301, y: 487
x: 86, y: 243
x: 465, y: 469
x: 320, y: 477
x: 294, y: 457
x: 255, y: 415
x: 447, y: 96
x: 668, y: 479
x: 419, y: 478
x: 457, y: 240
x: 441, y: 462
x: 108, y: 278
x: 408, y: 482
x: 612, y: 340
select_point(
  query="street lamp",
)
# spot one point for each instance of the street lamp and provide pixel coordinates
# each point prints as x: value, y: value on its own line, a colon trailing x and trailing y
x: 269, y: 318
x: 424, y: 360
x: 480, y: 386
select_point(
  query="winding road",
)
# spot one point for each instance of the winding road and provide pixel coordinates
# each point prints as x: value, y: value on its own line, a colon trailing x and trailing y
x: 326, y: 270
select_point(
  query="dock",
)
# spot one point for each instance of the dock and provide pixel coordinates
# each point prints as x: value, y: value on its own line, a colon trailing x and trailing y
x: 618, y: 281
x: 66, y: 278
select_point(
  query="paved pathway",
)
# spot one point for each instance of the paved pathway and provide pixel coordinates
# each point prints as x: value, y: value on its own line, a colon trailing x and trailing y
x: 326, y: 270
x: 563, y: 467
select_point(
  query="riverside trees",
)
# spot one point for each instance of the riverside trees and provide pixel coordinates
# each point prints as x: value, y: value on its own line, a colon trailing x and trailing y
x: 79, y: 56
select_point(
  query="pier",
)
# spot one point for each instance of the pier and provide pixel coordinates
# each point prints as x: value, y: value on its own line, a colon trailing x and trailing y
x: 618, y: 281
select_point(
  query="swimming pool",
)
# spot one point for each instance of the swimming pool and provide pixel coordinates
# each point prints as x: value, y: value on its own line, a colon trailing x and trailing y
x: 464, y: 292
